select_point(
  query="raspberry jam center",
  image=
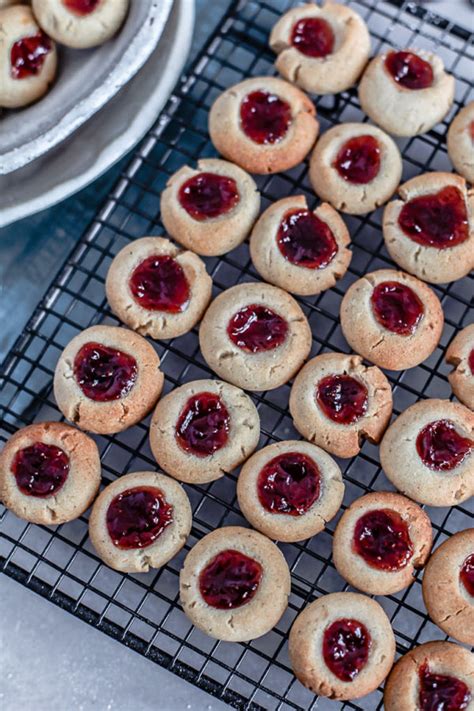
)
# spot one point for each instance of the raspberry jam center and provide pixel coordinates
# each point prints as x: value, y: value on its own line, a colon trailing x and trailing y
x: 409, y: 70
x: 230, y: 580
x: 264, y: 117
x: 136, y: 517
x: 40, y: 469
x: 381, y: 538
x: 358, y: 160
x: 28, y: 54
x: 81, y: 7
x: 313, y: 37
x: 289, y: 484
x: 346, y: 646
x: 442, y: 448
x: 305, y: 240
x: 256, y: 328
x: 104, y: 373
x: 342, y: 398
x: 396, y: 307
x: 471, y: 361
x: 437, y: 220
x: 440, y: 692
x: 159, y: 284
x: 467, y: 574
x: 208, y: 195
x: 203, y: 425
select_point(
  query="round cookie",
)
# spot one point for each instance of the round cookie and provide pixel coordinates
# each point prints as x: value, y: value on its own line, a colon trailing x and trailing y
x: 212, y: 208
x: 431, y: 676
x: 107, y: 379
x: 49, y: 473
x: 300, y: 250
x: 28, y: 58
x: 380, y: 542
x: 356, y: 167
x: 234, y: 584
x: 342, y: 646
x: 428, y: 453
x: 321, y: 49
x: 255, y: 336
x: 406, y: 92
x: 81, y: 23
x: 461, y: 142
x: 263, y: 124
x: 430, y: 231
x: 460, y: 354
x: 203, y: 430
x: 337, y: 402
x: 140, y: 521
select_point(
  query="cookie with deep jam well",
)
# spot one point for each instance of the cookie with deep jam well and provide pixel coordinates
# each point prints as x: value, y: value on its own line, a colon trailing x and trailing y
x: 300, y: 250
x: 321, y: 49
x: 406, y: 92
x: 81, y: 23
x: 49, y: 473
x: 428, y: 453
x: 234, y: 584
x: 107, y: 379
x: 140, y: 521
x: 429, y: 231
x: 264, y: 124
x: 342, y: 646
x: 203, y: 430
x: 461, y: 142
x: 337, y: 402
x: 460, y: 354
x: 255, y: 336
x: 355, y: 167
x: 158, y: 289
x: 28, y: 58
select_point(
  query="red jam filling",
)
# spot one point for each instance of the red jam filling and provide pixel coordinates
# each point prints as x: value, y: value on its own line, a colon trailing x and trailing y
x: 104, y: 373
x: 40, y: 469
x: 159, y: 284
x: 81, y: 7
x: 264, y: 117
x: 438, y: 220
x: 396, y: 307
x: 440, y: 692
x: 136, y: 517
x: 203, y: 425
x: 409, y: 70
x: 313, y: 37
x: 230, y: 580
x: 290, y: 484
x: 305, y: 240
x: 346, y: 646
x: 342, y: 398
x: 467, y: 574
x: 381, y: 538
x: 440, y: 447
x: 208, y: 195
x: 28, y: 54
x: 257, y: 328
x: 358, y: 160
x: 471, y: 361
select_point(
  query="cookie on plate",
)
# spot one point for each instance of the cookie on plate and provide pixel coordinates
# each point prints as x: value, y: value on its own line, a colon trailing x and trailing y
x: 234, y: 584
x: 460, y: 354
x: 342, y: 646
x: 461, y: 142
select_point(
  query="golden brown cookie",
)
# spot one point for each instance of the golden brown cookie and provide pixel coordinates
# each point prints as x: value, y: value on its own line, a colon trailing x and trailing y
x: 460, y: 355
x: 461, y: 142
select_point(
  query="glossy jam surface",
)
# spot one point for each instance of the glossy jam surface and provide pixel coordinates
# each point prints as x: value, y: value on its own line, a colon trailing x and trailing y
x: 289, y: 484
x: 358, y: 160
x: 467, y: 574
x: 382, y: 539
x: 264, y: 117
x: 396, y: 307
x: 208, y: 195
x: 40, y: 469
x: 159, y: 284
x: 81, y: 7
x: 471, y: 361
x: 27, y: 55
x: 313, y: 37
x: 256, y: 328
x: 136, y: 517
x: 437, y: 220
x: 409, y: 70
x: 305, y: 240
x: 230, y: 580
x: 203, y: 425
x: 342, y: 398
x: 441, y: 447
x: 346, y: 646
x: 440, y: 692
x: 104, y: 373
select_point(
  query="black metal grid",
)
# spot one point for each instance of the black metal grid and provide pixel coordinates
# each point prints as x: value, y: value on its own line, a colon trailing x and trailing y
x: 142, y: 611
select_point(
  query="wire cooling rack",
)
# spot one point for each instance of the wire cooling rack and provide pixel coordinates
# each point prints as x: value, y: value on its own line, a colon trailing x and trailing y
x: 142, y: 611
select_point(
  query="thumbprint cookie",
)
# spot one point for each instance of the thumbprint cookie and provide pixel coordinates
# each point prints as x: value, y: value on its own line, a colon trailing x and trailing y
x: 460, y: 355
x: 461, y: 142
